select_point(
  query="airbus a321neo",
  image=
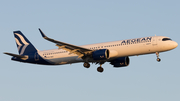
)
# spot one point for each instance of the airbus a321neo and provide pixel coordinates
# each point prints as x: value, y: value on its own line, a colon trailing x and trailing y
x: 116, y: 53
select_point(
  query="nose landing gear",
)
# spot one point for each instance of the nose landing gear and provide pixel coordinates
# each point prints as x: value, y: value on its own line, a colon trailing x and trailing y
x: 158, y: 59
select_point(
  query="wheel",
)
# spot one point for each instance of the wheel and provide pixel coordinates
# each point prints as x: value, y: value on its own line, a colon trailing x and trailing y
x: 86, y: 64
x: 158, y: 59
x: 100, y: 69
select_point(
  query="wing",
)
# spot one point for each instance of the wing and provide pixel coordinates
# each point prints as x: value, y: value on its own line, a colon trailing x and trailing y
x: 80, y: 51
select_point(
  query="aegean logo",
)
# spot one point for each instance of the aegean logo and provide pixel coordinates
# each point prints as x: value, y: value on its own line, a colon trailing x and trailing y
x: 135, y: 41
x: 21, y: 43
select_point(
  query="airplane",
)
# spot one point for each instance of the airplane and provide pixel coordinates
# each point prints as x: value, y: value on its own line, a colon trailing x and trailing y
x: 117, y: 53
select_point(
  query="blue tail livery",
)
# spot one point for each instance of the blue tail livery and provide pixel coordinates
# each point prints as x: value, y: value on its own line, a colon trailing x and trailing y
x: 23, y: 44
x: 27, y: 52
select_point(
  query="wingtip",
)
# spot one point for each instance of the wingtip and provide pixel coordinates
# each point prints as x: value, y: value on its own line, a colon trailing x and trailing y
x: 43, y: 35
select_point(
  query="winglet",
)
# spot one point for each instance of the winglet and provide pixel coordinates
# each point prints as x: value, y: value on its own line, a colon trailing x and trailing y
x: 43, y: 35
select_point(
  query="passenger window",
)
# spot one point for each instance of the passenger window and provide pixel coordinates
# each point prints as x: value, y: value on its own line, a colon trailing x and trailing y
x: 166, y: 39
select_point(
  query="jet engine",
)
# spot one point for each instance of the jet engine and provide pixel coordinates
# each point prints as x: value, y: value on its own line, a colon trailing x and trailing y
x: 120, y: 62
x: 100, y: 54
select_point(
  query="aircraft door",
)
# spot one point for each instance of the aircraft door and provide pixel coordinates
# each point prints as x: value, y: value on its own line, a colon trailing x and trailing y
x: 154, y: 43
x: 36, y: 56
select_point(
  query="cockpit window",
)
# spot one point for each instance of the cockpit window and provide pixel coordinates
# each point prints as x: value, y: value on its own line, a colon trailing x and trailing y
x: 166, y: 39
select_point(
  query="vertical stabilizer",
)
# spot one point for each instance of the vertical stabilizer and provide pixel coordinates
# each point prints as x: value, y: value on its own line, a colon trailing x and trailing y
x: 23, y: 44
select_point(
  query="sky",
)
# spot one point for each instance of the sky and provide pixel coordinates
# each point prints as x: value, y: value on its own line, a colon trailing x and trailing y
x: 82, y: 22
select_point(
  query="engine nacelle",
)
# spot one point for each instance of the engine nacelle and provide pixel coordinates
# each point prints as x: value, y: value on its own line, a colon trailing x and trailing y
x: 120, y: 62
x: 100, y: 54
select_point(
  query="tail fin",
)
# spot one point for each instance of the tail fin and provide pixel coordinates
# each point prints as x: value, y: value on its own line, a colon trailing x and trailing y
x: 23, y: 44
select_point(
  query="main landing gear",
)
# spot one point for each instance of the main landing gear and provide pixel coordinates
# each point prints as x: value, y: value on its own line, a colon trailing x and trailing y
x: 99, y: 69
x: 158, y: 59
x: 86, y: 64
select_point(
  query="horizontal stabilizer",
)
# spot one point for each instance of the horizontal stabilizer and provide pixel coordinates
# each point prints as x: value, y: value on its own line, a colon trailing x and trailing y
x: 18, y: 56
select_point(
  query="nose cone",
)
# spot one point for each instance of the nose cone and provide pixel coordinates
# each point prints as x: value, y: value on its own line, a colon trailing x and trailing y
x: 175, y: 44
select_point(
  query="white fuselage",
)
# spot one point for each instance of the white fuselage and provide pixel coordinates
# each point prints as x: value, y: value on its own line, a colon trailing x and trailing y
x: 122, y: 48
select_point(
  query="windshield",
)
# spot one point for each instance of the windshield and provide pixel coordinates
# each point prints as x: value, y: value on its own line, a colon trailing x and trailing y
x: 166, y: 39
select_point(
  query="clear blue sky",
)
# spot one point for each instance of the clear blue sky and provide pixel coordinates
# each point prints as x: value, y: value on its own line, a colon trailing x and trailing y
x: 82, y: 22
